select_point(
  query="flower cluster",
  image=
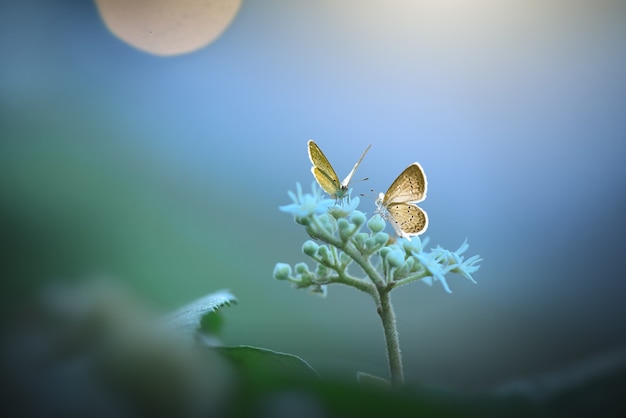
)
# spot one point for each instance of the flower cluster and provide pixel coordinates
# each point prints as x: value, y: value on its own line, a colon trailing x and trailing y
x: 342, y: 235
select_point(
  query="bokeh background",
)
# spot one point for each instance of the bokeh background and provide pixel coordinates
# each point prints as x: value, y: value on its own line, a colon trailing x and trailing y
x: 166, y: 173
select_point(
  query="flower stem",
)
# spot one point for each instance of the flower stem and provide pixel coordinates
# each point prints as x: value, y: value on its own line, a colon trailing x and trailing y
x: 388, y: 318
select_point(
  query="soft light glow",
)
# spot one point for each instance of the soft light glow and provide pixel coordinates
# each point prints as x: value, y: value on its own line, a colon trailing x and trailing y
x: 168, y: 27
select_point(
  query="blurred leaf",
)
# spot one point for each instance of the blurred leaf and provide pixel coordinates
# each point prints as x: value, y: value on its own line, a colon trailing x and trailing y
x: 254, y: 361
x: 212, y: 323
x: 191, y: 316
x: 370, y: 380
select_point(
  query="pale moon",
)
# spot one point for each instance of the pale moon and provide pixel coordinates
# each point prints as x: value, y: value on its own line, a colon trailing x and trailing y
x: 168, y: 27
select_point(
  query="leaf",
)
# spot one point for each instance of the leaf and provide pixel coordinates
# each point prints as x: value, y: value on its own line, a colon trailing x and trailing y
x: 190, y: 316
x: 211, y: 323
x: 266, y: 363
x: 370, y: 380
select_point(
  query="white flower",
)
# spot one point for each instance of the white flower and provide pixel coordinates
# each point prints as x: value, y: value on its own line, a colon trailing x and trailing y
x: 307, y: 204
x: 345, y: 208
x: 456, y: 261
x: 435, y: 269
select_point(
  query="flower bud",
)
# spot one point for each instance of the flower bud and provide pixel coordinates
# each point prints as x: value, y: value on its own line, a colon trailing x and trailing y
x: 357, y: 218
x: 376, y: 223
x: 381, y: 238
x: 359, y: 239
x: 395, y: 258
x: 345, y: 228
x: 324, y: 253
x: 302, y: 268
x: 309, y: 248
x: 282, y: 271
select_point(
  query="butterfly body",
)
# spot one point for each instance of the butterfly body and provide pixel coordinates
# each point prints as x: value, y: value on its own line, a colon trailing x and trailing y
x: 398, y: 204
x: 326, y: 176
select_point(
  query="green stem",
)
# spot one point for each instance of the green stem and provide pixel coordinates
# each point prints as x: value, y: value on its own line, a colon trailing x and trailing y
x: 359, y: 284
x: 351, y: 251
x: 363, y: 263
x: 381, y: 297
x: 412, y: 278
x: 388, y: 318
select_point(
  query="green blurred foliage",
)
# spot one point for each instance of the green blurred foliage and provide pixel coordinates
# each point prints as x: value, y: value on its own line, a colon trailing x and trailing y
x: 94, y: 349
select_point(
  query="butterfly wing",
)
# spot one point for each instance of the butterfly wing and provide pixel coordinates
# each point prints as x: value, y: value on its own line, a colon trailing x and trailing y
x: 346, y: 182
x: 407, y: 219
x: 323, y: 171
x: 409, y: 186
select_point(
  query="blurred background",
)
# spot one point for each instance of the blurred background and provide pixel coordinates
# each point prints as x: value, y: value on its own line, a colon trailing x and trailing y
x: 165, y: 172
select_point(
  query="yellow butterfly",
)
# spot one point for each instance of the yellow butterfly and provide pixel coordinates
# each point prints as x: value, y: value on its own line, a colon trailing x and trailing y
x: 326, y: 176
x: 406, y: 218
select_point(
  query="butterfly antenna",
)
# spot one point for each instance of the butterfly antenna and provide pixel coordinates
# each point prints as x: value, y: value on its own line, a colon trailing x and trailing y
x: 368, y: 195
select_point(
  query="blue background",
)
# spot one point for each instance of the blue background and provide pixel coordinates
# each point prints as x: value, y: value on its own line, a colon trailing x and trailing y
x: 166, y: 173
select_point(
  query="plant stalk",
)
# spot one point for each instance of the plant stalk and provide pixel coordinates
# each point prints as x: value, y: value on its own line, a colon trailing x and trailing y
x: 394, y: 356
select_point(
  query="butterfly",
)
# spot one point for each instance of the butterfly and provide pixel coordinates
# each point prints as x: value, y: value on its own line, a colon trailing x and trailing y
x: 397, y: 204
x: 325, y: 174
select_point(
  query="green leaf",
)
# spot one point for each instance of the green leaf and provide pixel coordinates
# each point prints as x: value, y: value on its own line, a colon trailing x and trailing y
x: 191, y: 316
x: 212, y: 323
x: 265, y: 363
x: 369, y: 380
